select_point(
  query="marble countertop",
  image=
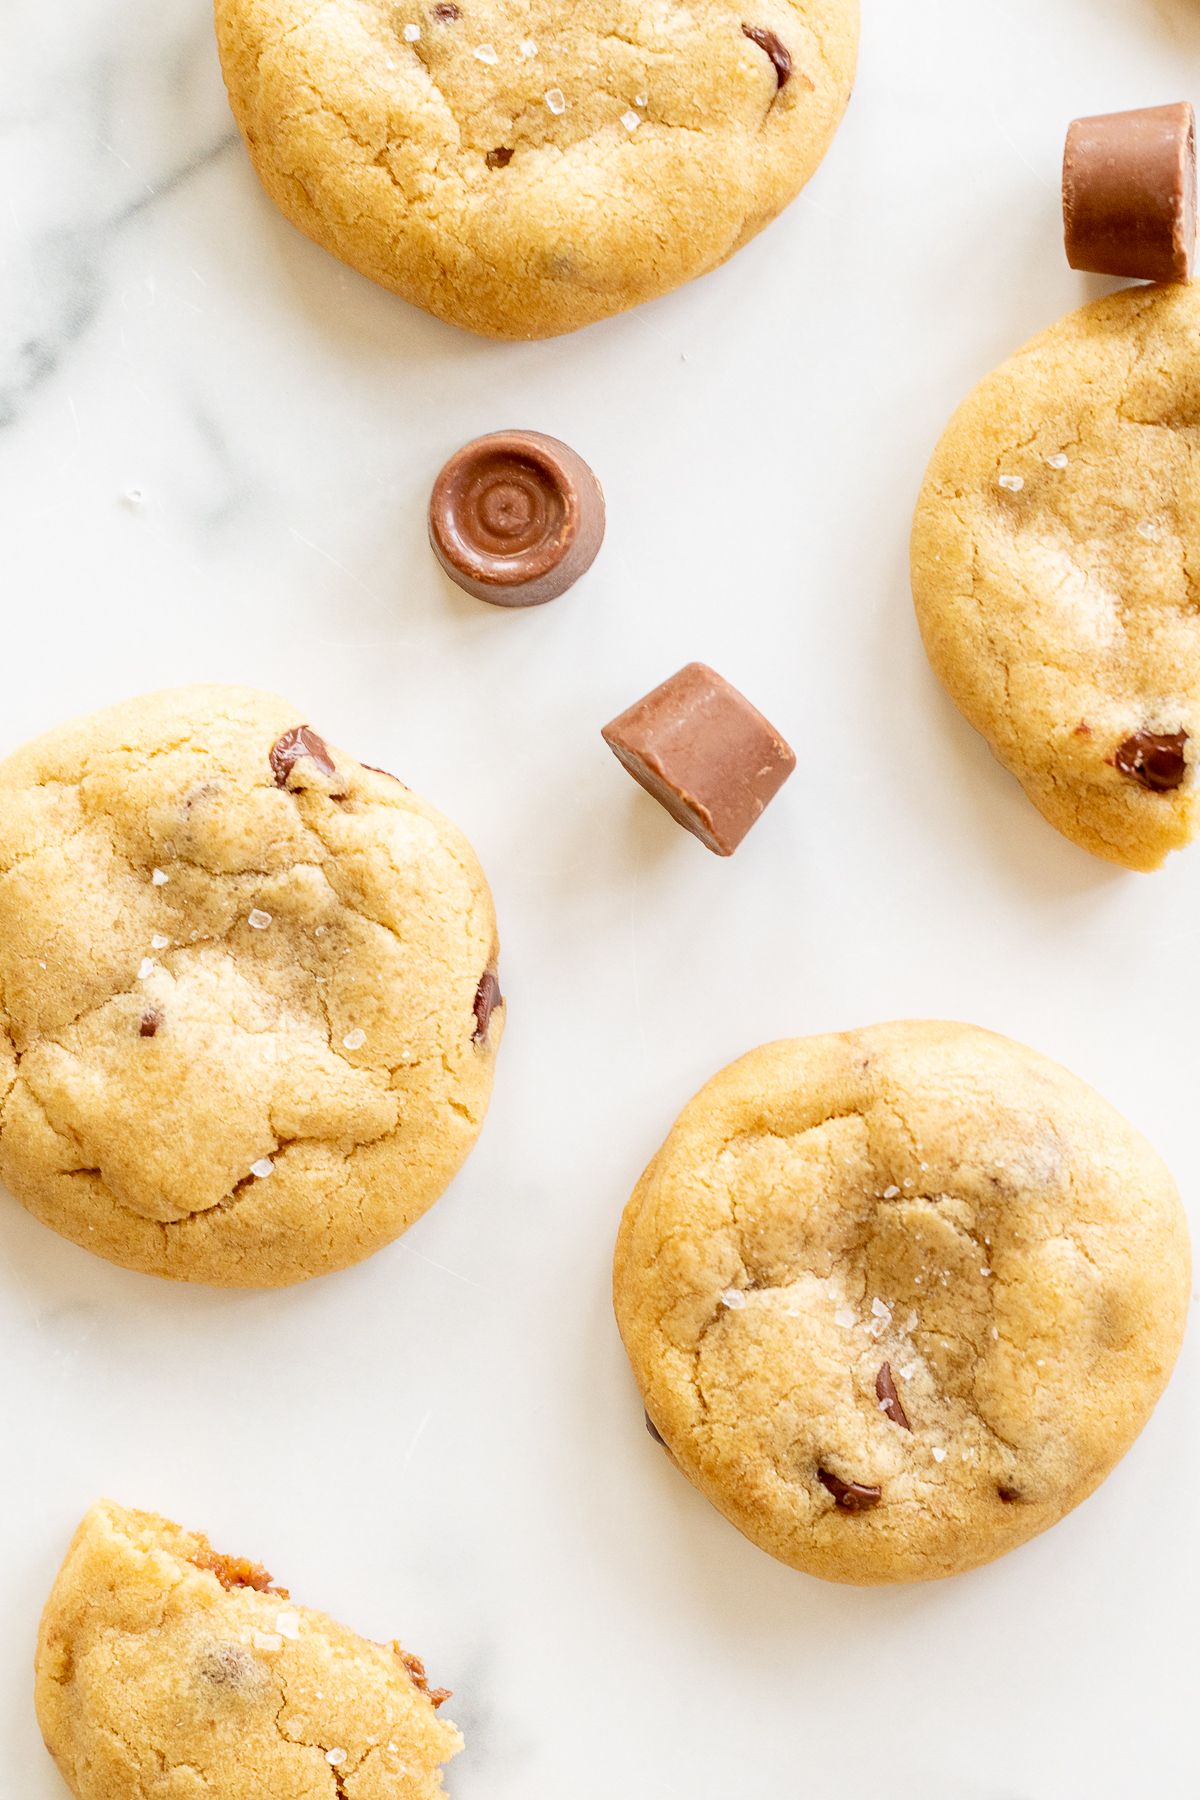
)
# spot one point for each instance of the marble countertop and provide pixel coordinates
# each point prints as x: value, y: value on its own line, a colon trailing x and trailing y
x: 216, y: 447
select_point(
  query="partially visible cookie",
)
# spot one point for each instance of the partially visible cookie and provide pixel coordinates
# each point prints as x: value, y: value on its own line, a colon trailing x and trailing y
x: 166, y: 1671
x: 248, y: 994
x: 897, y: 1300
x: 525, y: 170
x: 1056, y: 570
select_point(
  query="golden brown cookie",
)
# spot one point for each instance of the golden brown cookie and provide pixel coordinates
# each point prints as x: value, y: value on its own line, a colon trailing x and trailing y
x: 1056, y: 570
x: 897, y: 1300
x: 522, y: 170
x: 248, y: 1001
x: 166, y: 1671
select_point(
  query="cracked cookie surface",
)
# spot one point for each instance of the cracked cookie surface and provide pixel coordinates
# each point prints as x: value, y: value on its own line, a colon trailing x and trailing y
x: 248, y: 1007
x: 898, y: 1299
x: 1056, y: 570
x: 525, y: 167
x: 166, y: 1671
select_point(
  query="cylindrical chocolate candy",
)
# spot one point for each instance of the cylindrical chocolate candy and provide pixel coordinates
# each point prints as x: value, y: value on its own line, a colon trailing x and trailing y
x: 1129, y: 193
x: 516, y: 518
x: 704, y: 753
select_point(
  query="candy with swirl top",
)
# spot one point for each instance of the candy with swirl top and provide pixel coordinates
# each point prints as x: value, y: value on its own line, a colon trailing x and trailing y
x: 516, y: 518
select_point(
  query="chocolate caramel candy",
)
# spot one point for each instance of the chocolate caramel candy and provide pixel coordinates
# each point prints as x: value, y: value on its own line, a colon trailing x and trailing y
x: 516, y: 518
x: 1129, y: 193
x: 704, y: 753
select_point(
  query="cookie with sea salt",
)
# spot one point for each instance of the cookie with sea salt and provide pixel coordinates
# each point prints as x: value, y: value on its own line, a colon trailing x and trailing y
x: 897, y: 1300
x: 165, y: 1670
x: 525, y: 170
x: 1055, y: 560
x: 248, y: 993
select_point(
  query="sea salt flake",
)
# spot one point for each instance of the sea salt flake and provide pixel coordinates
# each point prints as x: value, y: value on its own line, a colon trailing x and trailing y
x: 528, y: 48
x: 908, y: 1371
x: 995, y: 1333
x: 1012, y: 484
x: 146, y: 968
x: 335, y: 1758
x: 259, y: 920
x: 411, y: 33
x: 910, y: 1324
x: 889, y: 1193
x: 845, y: 1317
x: 631, y: 120
x: 1057, y: 462
x: 158, y: 941
x: 733, y: 1298
x: 1148, y: 529
x: 287, y: 1624
x: 556, y: 100
x: 159, y: 878
x: 641, y: 100
x: 262, y: 1168
x: 939, y: 1455
x: 880, y: 1308
x: 354, y: 1040
x: 267, y: 1640
x: 985, y: 1271
x: 485, y: 54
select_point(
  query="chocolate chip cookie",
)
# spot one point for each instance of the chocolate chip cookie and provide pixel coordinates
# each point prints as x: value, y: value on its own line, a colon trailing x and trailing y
x: 248, y: 992
x: 164, y: 1668
x: 1054, y: 562
x: 525, y: 170
x: 897, y: 1300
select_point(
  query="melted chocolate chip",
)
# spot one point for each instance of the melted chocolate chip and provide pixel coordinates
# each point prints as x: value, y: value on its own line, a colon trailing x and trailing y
x: 293, y: 747
x: 655, y: 1433
x: 780, y: 56
x: 230, y: 1666
x: 1010, y: 1495
x: 150, y: 1024
x: 499, y: 158
x: 447, y: 11
x: 851, y: 1496
x: 386, y: 772
x: 889, y: 1399
x: 1155, y: 758
x: 487, y: 998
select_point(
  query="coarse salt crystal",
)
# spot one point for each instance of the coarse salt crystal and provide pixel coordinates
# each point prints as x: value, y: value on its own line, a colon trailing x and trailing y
x: 159, y: 878
x: 1012, y: 484
x: 1148, y: 530
x: 158, y: 941
x: 910, y: 1324
x: 262, y: 1168
x: 1057, y: 462
x: 146, y: 968
x: 880, y: 1308
x: 528, y: 48
x: 845, y: 1317
x: 485, y: 54
x: 287, y: 1624
x: 641, y: 100
x: 267, y: 1640
x: 335, y: 1758
x: 939, y: 1455
x: 985, y: 1271
x: 889, y: 1193
x: 259, y: 920
x: 631, y: 120
x: 354, y: 1040
x: 411, y: 33
x: 995, y: 1334
x: 908, y: 1371
x: 556, y: 100
x: 733, y: 1298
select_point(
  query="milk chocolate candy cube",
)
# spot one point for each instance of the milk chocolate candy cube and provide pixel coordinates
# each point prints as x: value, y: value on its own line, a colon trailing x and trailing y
x: 1129, y: 193
x: 516, y: 518
x: 704, y: 753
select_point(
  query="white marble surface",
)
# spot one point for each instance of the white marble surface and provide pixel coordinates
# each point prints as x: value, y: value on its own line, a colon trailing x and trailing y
x: 446, y: 1443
